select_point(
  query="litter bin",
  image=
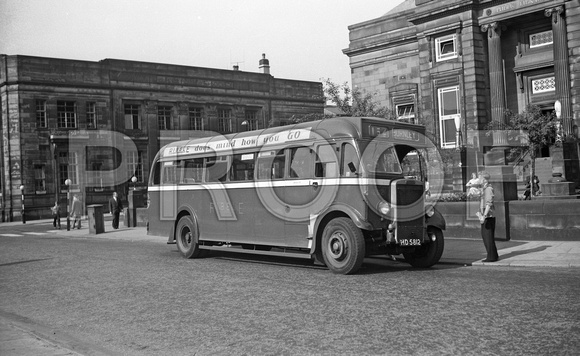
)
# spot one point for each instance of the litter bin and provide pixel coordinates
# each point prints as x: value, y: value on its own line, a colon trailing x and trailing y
x: 96, y: 220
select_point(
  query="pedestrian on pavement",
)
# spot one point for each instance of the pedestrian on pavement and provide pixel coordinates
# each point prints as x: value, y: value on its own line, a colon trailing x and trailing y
x: 473, y: 191
x: 115, y: 207
x: 56, y: 215
x: 533, y: 187
x: 76, y: 211
x: 486, y: 215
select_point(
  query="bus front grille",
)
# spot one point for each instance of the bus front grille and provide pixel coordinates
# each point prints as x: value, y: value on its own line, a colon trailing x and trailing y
x: 408, y: 194
x: 410, y: 213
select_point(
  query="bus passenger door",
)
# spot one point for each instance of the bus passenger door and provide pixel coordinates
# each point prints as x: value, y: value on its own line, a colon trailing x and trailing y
x: 243, y: 198
x: 308, y: 190
x: 269, y: 209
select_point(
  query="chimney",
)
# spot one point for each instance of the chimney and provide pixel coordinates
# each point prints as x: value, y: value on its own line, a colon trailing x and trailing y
x: 236, y: 67
x: 264, y: 64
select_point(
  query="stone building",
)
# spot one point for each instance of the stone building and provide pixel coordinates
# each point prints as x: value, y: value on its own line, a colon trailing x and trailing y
x: 99, y: 124
x: 456, y: 65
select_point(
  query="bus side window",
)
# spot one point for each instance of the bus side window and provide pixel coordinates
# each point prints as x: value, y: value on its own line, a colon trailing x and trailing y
x: 388, y: 162
x: 157, y: 173
x: 169, y: 174
x: 243, y: 167
x: 350, y: 160
x: 326, y: 162
x: 192, y: 170
x: 301, y: 162
x: 271, y: 165
x: 216, y: 169
x: 279, y: 165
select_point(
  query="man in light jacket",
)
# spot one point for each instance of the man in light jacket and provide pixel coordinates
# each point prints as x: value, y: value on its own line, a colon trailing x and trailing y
x: 486, y: 215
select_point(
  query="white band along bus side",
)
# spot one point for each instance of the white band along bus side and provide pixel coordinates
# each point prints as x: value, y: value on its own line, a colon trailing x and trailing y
x: 334, y: 190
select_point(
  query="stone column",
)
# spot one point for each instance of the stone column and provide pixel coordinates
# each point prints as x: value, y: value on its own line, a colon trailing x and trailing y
x: 497, y: 155
x: 561, y: 65
x: 502, y: 178
x: 564, y: 154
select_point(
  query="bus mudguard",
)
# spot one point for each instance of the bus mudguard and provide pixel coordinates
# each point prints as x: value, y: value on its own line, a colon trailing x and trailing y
x: 335, y: 210
x: 183, y: 210
x: 436, y: 220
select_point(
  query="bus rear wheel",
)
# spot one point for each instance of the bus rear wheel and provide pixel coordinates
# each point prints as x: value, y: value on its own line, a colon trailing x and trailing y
x: 343, y: 246
x: 428, y: 254
x: 187, y: 238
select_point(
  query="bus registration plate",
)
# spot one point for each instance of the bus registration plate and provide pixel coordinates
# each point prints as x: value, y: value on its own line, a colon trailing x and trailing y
x: 410, y: 242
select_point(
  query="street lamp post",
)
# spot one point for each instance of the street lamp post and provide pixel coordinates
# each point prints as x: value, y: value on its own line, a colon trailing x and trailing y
x: 557, y: 165
x: 458, y: 138
x: 132, y: 209
x: 55, y: 169
x: 67, y: 182
x: 558, y: 110
x: 22, y: 200
x: 460, y: 171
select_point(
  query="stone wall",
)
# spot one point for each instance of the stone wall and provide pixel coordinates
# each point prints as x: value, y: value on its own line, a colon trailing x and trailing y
x: 538, y: 219
x: 543, y: 219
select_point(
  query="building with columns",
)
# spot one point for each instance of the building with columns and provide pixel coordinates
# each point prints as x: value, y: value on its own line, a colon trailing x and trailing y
x: 98, y: 125
x: 457, y: 65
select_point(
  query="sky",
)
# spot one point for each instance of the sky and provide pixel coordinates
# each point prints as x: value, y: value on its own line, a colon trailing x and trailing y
x: 302, y: 39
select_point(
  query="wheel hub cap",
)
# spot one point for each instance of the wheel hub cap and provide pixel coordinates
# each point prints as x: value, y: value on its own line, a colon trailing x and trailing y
x: 337, y: 246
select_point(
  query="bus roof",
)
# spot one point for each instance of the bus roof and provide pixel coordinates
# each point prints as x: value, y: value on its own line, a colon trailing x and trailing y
x: 328, y: 129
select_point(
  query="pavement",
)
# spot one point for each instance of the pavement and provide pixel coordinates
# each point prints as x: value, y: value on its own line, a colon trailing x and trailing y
x: 19, y: 338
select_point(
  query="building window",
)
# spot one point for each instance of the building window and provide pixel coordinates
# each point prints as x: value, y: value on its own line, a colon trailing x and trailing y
x: 96, y: 176
x: 543, y: 85
x: 224, y: 120
x: 91, y: 115
x: 406, y: 112
x: 540, y: 39
x: 448, y: 110
x: 251, y: 120
x: 164, y: 117
x: 66, y: 114
x: 135, y: 165
x: 41, y: 120
x: 132, y: 119
x: 446, y: 47
x: 195, y: 118
x: 39, y: 179
x: 68, y: 168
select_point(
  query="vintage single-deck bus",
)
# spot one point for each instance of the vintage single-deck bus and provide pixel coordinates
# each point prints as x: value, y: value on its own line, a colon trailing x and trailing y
x: 330, y: 190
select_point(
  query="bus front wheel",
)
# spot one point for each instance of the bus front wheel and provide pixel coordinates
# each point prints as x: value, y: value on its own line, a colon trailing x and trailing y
x: 187, y: 238
x: 428, y: 254
x: 343, y: 246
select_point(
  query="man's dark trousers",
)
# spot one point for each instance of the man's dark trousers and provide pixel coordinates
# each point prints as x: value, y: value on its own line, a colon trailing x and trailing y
x: 115, y: 207
x: 488, y: 235
x: 116, y: 219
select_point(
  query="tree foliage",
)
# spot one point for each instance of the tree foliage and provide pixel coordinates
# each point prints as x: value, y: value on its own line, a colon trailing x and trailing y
x: 535, y: 128
x: 354, y: 102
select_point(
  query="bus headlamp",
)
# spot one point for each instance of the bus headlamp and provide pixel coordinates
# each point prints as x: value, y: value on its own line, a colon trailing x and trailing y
x: 430, y: 211
x: 384, y: 208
